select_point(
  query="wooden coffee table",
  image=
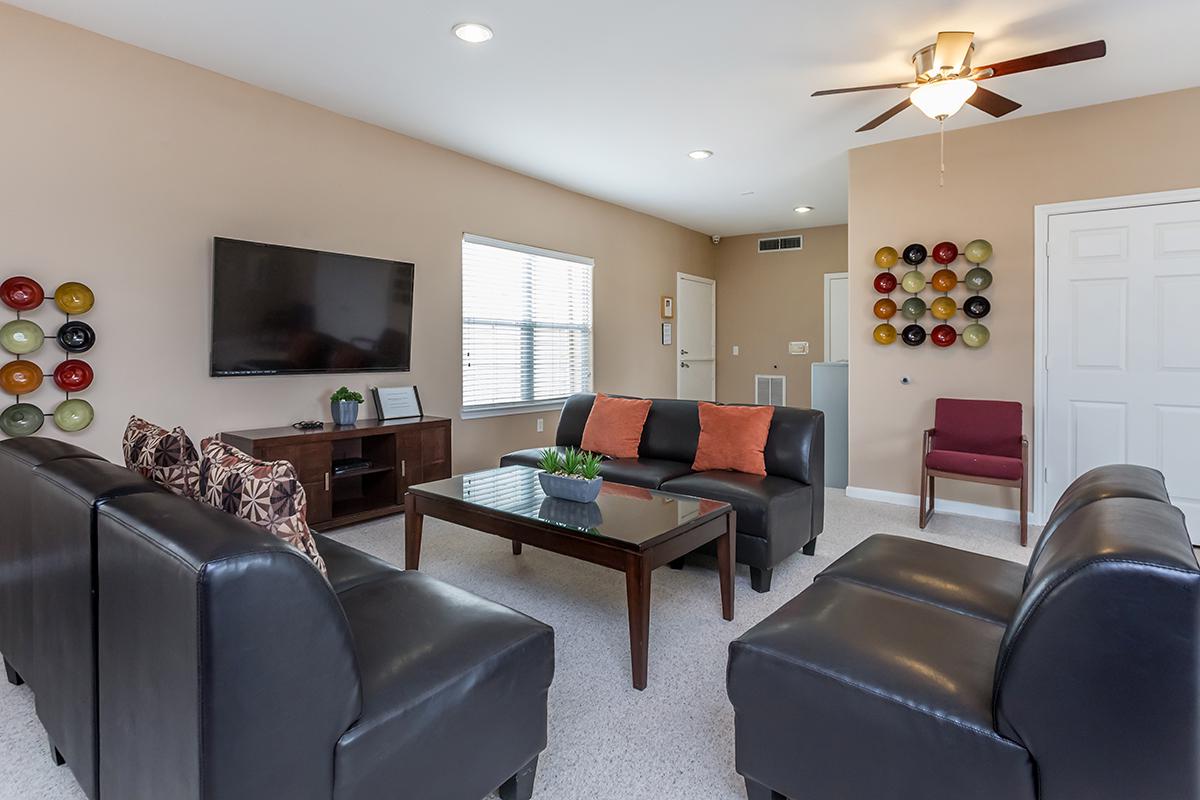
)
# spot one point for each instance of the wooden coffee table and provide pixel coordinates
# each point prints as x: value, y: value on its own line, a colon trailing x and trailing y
x: 628, y: 528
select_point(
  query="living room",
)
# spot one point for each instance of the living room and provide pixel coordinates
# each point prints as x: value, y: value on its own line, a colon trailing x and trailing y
x: 675, y: 162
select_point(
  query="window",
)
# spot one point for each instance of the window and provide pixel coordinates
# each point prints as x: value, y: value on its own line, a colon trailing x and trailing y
x: 527, y: 326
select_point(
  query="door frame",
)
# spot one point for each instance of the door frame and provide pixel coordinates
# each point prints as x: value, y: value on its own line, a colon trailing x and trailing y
x: 679, y: 278
x: 1041, y: 311
x: 829, y: 277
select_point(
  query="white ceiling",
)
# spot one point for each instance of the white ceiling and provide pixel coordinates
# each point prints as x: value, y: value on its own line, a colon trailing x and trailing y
x: 607, y: 98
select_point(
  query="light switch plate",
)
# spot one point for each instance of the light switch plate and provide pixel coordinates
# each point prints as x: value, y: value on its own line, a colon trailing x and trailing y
x: 737, y: 350
x: 798, y: 348
x: 541, y: 424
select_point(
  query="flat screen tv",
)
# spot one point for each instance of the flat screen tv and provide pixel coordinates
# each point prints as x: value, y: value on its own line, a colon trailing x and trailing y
x: 287, y: 311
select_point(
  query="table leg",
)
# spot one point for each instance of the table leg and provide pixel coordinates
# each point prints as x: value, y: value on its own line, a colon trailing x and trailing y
x: 412, y: 533
x: 637, y: 587
x: 726, y: 547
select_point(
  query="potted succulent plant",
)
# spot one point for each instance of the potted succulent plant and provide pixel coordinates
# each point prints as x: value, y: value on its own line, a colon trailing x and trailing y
x: 343, y: 406
x: 572, y: 475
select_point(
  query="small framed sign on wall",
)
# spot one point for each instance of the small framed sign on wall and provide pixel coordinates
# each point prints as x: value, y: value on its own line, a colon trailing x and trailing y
x: 668, y: 307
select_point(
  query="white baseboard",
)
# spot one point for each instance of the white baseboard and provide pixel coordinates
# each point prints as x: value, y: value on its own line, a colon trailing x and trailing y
x: 947, y: 506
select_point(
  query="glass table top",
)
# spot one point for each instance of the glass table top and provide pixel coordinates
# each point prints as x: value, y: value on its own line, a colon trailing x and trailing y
x: 626, y: 515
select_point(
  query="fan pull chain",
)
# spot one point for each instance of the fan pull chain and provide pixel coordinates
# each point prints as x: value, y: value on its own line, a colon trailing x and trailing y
x: 942, y: 151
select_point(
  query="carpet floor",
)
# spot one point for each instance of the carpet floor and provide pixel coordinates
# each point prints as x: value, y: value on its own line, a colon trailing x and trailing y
x: 674, y: 741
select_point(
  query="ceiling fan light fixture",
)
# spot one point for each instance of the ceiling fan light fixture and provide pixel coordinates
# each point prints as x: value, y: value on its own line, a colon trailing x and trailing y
x: 942, y: 99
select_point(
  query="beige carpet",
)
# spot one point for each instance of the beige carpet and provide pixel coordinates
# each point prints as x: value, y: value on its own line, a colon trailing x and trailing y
x: 674, y: 741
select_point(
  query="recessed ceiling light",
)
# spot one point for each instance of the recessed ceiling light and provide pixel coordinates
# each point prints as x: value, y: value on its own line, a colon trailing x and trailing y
x: 803, y: 209
x: 700, y: 155
x: 472, y: 32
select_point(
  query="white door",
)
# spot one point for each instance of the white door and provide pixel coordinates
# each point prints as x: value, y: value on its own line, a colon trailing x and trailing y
x: 1123, y: 359
x: 696, y: 329
x: 837, y: 316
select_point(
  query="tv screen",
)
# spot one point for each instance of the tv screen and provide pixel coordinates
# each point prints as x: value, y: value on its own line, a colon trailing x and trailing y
x: 283, y: 310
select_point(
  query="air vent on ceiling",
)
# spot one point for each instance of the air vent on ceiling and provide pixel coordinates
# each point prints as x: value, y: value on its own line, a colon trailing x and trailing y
x: 770, y: 390
x: 778, y: 244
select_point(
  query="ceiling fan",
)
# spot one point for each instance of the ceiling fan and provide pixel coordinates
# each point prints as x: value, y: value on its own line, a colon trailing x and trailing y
x: 946, y: 80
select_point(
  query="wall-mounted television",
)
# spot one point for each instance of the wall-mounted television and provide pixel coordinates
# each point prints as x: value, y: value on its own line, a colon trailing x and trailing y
x: 287, y: 311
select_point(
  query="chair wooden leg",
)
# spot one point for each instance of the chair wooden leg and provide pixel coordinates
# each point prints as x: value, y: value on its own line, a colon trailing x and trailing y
x: 1024, y: 512
x: 923, y: 515
x: 932, y: 494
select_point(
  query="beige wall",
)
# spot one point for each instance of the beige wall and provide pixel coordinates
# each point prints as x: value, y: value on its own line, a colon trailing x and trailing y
x: 765, y: 301
x: 119, y: 166
x: 995, y: 176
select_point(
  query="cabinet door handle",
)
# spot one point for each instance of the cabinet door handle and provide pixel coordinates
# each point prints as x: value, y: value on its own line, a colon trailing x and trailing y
x: 403, y: 468
x: 327, y: 481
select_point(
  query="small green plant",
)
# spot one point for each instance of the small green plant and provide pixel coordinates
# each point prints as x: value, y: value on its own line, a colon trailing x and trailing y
x: 549, y: 461
x: 589, y: 466
x: 571, y: 463
x: 344, y: 394
x: 572, y: 459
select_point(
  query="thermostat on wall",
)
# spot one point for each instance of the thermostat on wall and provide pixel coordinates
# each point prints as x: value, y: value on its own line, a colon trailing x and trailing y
x: 798, y: 348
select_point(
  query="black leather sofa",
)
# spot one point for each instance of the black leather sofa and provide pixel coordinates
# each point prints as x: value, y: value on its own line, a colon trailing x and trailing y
x: 911, y: 670
x: 776, y: 515
x: 208, y: 659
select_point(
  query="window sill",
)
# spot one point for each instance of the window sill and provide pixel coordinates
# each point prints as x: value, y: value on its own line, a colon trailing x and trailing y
x: 508, y: 411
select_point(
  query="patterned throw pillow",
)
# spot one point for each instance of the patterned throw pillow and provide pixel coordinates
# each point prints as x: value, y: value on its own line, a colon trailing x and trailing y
x: 166, y: 457
x: 266, y: 493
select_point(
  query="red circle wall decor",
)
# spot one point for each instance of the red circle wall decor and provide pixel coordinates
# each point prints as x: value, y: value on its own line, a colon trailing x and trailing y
x: 21, y: 293
x: 73, y: 375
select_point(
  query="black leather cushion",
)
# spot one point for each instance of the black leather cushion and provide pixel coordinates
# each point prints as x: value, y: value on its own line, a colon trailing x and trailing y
x: 1114, y: 480
x: 454, y: 692
x: 796, y: 445
x: 766, y: 506
x: 1099, y: 672
x: 649, y: 473
x: 849, y: 692
x: 645, y: 472
x: 573, y: 419
x: 227, y: 667
x: 348, y: 566
x: 958, y: 580
x: 525, y: 458
x: 672, y: 431
x: 18, y: 458
x: 63, y: 497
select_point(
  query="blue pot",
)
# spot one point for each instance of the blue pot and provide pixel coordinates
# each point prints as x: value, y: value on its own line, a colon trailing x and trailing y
x: 565, y: 488
x: 344, y: 412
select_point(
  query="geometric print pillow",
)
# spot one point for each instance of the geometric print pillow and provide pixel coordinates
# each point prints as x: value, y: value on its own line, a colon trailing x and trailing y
x: 166, y: 457
x: 266, y: 493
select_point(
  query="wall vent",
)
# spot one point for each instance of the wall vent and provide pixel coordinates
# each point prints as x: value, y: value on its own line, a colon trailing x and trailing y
x: 770, y: 390
x: 777, y: 244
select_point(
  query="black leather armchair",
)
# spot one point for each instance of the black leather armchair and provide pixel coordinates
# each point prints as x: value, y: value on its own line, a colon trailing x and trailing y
x: 176, y: 651
x: 777, y: 514
x: 18, y: 459
x: 955, y: 675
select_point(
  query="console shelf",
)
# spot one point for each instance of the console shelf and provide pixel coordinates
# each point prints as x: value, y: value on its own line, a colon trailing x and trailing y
x: 401, y: 451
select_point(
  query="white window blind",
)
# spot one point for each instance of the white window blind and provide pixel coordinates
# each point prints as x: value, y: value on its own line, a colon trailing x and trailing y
x: 527, y: 326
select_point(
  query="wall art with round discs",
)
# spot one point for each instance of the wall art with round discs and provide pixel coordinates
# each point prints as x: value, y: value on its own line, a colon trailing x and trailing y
x: 941, y: 281
x: 22, y: 338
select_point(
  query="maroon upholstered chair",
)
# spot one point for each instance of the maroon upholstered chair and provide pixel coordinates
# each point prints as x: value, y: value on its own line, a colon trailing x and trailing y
x: 975, y: 440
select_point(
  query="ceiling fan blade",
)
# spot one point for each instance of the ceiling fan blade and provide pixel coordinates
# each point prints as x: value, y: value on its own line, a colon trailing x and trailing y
x: 995, y: 104
x: 1051, y: 58
x: 885, y: 116
x: 824, y: 92
x: 951, y: 50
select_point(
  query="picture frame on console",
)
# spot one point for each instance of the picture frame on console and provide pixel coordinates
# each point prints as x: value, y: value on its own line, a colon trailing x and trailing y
x: 399, y: 402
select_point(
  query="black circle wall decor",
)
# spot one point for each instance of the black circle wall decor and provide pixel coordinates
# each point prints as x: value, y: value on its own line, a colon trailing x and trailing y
x: 76, y: 336
x: 915, y: 254
x: 913, y: 335
x: 976, y: 306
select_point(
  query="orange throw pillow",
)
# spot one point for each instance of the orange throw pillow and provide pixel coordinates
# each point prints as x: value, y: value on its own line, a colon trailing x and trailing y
x: 733, y: 437
x: 614, y: 427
